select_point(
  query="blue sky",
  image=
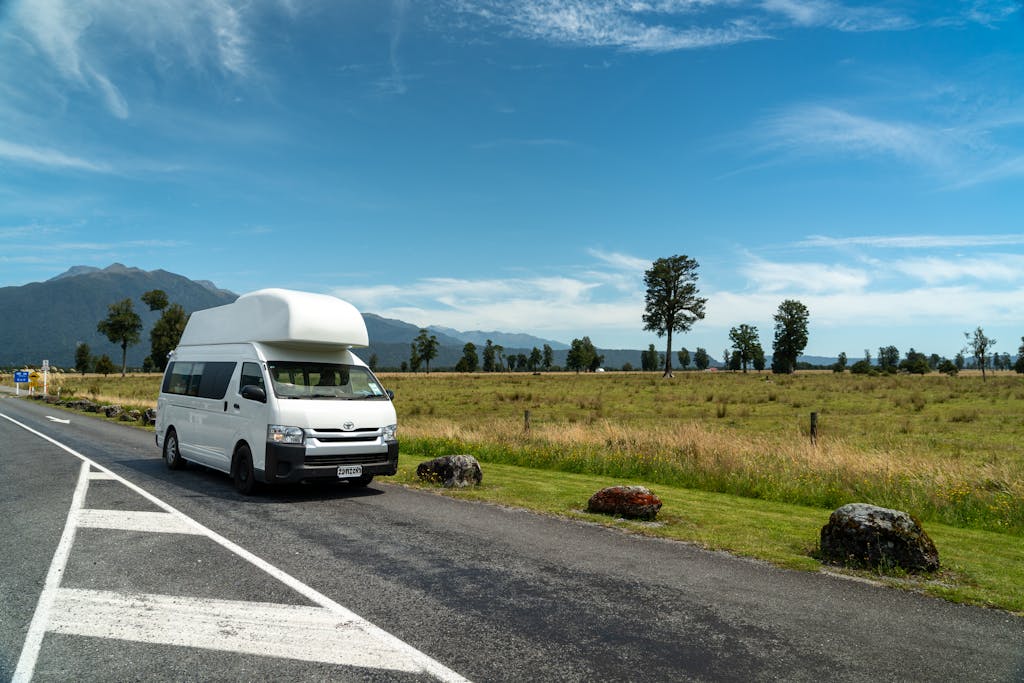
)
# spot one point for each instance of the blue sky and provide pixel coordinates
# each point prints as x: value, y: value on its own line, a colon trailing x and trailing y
x: 518, y: 164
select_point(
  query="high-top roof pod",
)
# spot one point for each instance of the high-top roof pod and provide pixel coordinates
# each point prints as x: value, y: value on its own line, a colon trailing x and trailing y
x: 279, y: 316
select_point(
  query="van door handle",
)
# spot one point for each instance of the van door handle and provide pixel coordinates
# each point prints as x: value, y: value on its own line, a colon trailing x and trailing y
x: 237, y: 407
x: 225, y: 406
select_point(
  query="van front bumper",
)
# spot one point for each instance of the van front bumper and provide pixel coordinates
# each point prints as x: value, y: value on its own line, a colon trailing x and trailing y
x: 287, y: 463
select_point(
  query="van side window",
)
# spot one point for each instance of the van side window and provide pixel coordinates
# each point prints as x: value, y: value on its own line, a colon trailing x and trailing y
x: 206, y: 380
x: 251, y: 374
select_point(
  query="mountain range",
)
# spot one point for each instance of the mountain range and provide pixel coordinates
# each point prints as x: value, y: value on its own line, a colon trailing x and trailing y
x: 47, y: 320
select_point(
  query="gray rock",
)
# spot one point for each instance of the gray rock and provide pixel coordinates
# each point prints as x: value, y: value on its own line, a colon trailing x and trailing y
x: 631, y: 502
x: 113, y: 411
x: 131, y: 416
x: 149, y: 417
x: 451, y: 471
x: 866, y: 536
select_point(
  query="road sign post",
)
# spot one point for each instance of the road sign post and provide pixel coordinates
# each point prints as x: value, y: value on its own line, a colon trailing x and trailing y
x: 20, y: 377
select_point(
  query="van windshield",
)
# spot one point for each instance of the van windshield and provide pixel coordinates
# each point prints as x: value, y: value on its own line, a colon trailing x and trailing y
x: 324, y: 380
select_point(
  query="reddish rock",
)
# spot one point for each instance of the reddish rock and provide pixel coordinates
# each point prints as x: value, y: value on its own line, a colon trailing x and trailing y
x: 631, y: 502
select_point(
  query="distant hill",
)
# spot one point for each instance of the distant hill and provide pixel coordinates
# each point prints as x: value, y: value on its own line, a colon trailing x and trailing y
x: 508, y: 340
x: 47, y: 320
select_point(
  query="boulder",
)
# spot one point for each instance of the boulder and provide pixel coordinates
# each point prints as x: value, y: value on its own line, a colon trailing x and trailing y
x: 113, y: 411
x: 631, y: 502
x: 83, y: 404
x: 131, y: 416
x: 451, y: 470
x: 867, y: 536
x: 149, y: 417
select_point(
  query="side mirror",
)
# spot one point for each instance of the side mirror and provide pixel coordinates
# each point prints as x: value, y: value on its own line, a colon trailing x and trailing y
x: 254, y: 393
x: 390, y: 394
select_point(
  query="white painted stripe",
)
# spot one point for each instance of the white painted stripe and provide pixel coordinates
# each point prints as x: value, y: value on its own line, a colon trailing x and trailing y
x: 426, y: 663
x: 99, y: 476
x: 44, y: 608
x: 133, y: 520
x: 271, y: 630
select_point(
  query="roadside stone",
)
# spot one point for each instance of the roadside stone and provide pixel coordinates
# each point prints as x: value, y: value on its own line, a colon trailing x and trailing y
x: 82, y: 404
x: 131, y: 416
x: 149, y: 417
x: 113, y: 411
x: 453, y: 471
x: 631, y: 502
x: 866, y: 536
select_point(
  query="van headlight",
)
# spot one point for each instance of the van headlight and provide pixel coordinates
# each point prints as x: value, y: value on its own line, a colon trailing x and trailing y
x: 388, y: 431
x: 284, y: 434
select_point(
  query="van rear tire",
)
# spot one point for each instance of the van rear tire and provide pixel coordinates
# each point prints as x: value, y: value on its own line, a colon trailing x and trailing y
x: 243, y: 474
x: 172, y: 454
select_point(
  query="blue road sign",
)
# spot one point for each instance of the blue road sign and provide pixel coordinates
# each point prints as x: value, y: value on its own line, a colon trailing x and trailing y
x: 21, y: 377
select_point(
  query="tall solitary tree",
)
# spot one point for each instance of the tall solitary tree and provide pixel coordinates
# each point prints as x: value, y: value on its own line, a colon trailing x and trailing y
x: 166, y: 334
x: 121, y: 326
x: 83, y: 357
x: 790, y: 335
x: 672, y: 303
x: 746, y: 342
x: 426, y: 347
x: 978, y: 344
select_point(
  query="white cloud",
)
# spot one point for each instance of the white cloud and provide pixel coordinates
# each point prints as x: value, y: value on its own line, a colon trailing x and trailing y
x: 823, y: 131
x: 51, y: 158
x: 834, y: 15
x: 76, y: 37
x: 990, y: 268
x: 805, y: 277
x: 913, y: 241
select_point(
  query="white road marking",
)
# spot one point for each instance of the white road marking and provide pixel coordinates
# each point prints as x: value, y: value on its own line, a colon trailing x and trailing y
x: 388, y: 651
x: 271, y: 630
x: 126, y: 520
x: 51, y: 418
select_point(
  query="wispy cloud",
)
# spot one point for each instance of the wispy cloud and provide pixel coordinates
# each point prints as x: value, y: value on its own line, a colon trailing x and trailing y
x: 823, y: 131
x: 628, y: 25
x: 988, y: 268
x: 767, y: 276
x: 913, y: 241
x: 50, y: 158
x: 75, y: 36
x: 834, y: 15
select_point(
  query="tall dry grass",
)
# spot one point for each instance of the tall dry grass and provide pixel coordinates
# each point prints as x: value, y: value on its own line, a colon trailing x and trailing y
x: 785, y: 468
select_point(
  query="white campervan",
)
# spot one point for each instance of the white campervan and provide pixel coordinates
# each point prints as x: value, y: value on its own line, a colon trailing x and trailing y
x: 267, y: 390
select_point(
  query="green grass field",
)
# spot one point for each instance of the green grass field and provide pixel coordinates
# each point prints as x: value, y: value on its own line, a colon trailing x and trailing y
x: 730, y: 455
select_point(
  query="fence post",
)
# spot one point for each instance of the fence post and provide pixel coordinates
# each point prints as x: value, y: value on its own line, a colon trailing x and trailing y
x: 526, y: 421
x: 814, y: 428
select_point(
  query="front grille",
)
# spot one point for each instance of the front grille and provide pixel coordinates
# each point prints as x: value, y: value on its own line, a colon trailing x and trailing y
x: 354, y: 459
x: 332, y: 435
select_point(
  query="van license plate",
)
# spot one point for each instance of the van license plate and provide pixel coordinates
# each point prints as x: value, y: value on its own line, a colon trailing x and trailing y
x: 349, y: 471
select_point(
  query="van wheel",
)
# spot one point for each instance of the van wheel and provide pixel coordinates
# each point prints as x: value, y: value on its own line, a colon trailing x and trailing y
x: 172, y: 455
x: 362, y: 481
x: 244, y: 474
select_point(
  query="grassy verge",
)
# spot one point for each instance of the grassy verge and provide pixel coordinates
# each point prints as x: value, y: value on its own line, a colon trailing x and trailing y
x: 978, y: 567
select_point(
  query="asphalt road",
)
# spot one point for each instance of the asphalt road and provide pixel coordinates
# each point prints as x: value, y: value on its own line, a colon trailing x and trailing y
x: 114, y: 568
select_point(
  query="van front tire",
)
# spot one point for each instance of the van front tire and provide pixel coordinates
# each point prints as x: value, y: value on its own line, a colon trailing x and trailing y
x: 244, y: 474
x: 172, y: 455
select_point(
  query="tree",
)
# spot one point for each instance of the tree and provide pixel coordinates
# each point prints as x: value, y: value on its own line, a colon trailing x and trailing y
x: 582, y: 355
x: 488, y: 355
x: 744, y: 339
x: 915, y: 363
x: 166, y: 334
x: 790, y: 335
x: 1019, y: 365
x: 701, y: 359
x: 521, y: 361
x: 549, y: 357
x: 672, y: 303
x: 469, y: 361
x: 684, y: 358
x: 649, y: 359
x: 840, y: 364
x: 535, y: 360
x: 498, y: 351
x: 735, y: 361
x: 105, y: 366
x: 156, y: 299
x: 83, y: 358
x: 958, y: 361
x: 948, y: 367
x: 122, y: 325
x: 978, y: 344
x: 414, y: 358
x: 888, y: 358
x: 426, y: 347
x: 759, y: 360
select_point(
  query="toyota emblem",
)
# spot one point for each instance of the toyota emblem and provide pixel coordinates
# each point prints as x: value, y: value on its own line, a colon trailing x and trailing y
x: 348, y: 426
